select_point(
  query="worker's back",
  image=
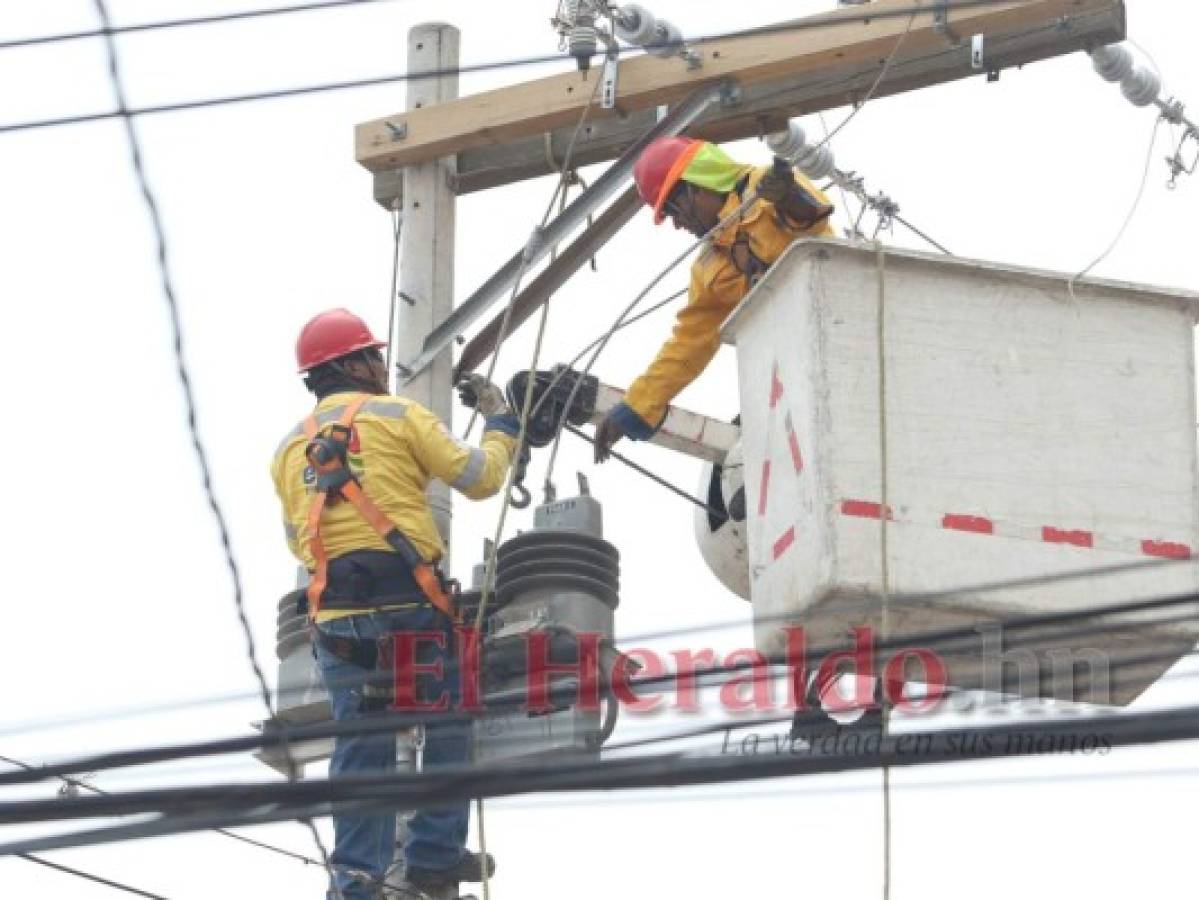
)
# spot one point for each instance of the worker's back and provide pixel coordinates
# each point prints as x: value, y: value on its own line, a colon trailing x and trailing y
x: 396, y: 448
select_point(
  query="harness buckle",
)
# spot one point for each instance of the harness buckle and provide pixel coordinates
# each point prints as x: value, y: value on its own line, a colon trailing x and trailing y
x: 326, y: 453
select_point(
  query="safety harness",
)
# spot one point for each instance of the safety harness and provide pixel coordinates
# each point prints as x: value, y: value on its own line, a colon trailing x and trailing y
x: 326, y: 452
x: 801, y: 212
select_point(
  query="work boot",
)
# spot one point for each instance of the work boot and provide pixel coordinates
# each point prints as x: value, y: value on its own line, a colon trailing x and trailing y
x: 469, y: 868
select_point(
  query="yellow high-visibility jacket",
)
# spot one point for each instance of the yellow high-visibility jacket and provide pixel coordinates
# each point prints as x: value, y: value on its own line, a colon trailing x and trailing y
x: 397, y: 448
x: 717, y: 286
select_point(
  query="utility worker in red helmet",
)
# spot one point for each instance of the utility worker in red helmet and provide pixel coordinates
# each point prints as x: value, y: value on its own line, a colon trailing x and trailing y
x: 698, y: 185
x: 372, y: 562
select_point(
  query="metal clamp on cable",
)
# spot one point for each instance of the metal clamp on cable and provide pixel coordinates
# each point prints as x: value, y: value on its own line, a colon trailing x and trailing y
x: 552, y: 391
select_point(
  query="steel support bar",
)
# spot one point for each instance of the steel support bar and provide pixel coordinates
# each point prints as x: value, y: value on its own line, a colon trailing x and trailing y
x: 689, y: 433
x: 556, y: 231
x: 555, y: 275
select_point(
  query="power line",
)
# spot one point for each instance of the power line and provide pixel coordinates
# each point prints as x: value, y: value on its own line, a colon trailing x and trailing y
x: 62, y: 37
x: 91, y: 788
x: 88, y: 876
x: 908, y: 599
x: 842, y: 790
x: 711, y: 234
x: 813, y: 23
x: 183, y: 809
x: 201, y: 454
x: 383, y: 722
x: 1132, y: 211
x: 560, y: 191
x: 925, y: 597
x: 706, y: 678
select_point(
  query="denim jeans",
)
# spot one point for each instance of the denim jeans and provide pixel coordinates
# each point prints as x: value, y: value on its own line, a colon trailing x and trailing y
x: 364, y: 845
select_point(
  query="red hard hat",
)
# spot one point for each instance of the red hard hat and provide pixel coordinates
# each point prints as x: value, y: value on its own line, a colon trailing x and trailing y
x: 659, y: 168
x: 330, y: 335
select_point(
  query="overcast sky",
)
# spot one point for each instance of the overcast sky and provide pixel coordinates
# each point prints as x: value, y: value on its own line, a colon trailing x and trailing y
x: 118, y: 596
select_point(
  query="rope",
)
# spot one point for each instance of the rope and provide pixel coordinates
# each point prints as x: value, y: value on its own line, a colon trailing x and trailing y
x: 719, y: 227
x: 1127, y: 219
x: 882, y: 73
x: 559, y: 193
x: 620, y: 322
x: 489, y: 571
x: 559, y: 190
x: 885, y: 586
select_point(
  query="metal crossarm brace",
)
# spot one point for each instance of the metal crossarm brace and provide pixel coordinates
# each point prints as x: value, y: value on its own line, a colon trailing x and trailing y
x: 550, y: 280
x: 557, y: 230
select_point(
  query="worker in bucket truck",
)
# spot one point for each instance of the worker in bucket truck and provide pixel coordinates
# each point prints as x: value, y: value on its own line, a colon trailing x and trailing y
x: 760, y: 211
x: 699, y: 186
x: 352, y: 480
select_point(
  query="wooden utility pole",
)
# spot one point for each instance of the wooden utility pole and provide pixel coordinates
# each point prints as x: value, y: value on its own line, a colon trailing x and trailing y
x: 427, y: 290
x: 427, y: 251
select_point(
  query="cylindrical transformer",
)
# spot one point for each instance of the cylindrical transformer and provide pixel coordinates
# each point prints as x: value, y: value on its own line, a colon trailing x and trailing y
x: 556, y: 593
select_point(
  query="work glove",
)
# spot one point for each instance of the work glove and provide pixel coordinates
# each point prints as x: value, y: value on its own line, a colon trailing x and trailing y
x: 607, y: 433
x: 477, y: 392
x: 778, y: 182
x: 790, y: 197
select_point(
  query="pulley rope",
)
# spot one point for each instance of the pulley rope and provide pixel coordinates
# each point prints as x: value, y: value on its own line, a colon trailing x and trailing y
x: 559, y: 191
x: 489, y: 567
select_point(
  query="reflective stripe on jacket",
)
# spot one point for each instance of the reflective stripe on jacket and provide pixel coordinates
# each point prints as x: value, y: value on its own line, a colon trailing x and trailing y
x: 717, y: 286
x: 397, y: 448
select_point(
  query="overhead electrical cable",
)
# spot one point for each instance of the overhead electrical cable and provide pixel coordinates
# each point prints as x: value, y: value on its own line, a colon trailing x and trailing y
x: 1132, y: 211
x: 934, y: 640
x: 560, y: 190
x: 774, y: 794
x: 77, y: 784
x: 63, y: 37
x: 775, y: 670
x: 921, y: 598
x: 277, y: 801
x: 917, y: 598
x: 716, y: 229
x: 185, y: 383
x: 78, y: 873
x: 283, y: 93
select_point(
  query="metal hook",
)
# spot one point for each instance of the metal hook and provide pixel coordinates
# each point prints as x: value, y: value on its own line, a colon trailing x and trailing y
x: 520, y: 498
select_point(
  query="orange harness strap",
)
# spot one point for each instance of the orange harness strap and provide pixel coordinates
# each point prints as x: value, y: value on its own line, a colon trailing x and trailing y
x: 327, y: 457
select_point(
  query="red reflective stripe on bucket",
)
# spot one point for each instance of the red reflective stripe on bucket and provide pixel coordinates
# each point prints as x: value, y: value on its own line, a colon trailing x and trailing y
x: 783, y: 544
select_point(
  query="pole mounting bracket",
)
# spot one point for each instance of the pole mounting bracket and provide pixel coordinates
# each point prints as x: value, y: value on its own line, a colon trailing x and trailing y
x: 941, y: 23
